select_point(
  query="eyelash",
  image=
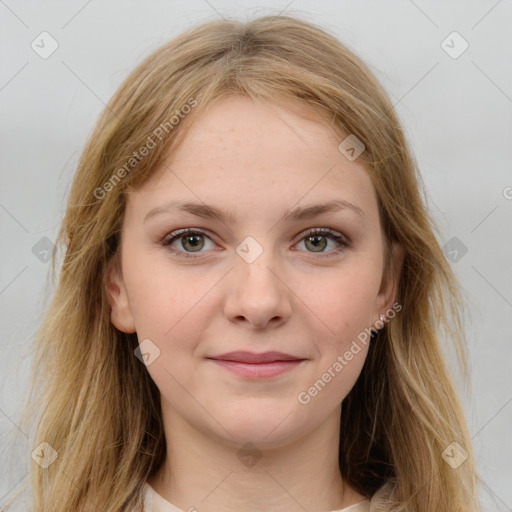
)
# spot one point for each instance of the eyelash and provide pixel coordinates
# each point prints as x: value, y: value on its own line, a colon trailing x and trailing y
x: 171, y: 237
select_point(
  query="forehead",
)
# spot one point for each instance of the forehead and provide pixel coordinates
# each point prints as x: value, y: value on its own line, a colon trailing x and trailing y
x: 251, y: 156
x: 240, y: 122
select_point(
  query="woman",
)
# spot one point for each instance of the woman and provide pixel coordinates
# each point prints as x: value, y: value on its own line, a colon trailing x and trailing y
x: 252, y: 300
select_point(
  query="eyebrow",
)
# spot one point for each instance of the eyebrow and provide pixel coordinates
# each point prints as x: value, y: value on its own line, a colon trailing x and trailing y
x: 295, y: 214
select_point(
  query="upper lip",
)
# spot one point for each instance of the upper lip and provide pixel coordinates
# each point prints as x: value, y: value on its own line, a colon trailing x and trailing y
x: 242, y: 356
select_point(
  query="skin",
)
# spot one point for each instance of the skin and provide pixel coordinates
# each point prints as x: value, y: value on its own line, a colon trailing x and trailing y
x: 256, y: 161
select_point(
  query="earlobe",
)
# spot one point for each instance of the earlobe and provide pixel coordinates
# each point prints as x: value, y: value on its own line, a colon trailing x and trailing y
x: 390, y: 281
x: 121, y: 314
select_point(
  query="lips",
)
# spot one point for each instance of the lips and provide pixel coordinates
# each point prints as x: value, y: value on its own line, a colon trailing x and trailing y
x: 250, y: 365
x: 255, y: 358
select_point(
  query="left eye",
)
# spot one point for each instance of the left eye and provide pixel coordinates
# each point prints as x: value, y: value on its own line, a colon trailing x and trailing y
x: 317, y: 239
x: 193, y: 240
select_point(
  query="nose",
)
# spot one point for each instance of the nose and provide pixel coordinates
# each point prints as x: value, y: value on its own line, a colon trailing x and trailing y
x: 259, y: 296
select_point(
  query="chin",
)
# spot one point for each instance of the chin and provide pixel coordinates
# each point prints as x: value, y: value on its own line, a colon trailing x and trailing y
x: 264, y: 429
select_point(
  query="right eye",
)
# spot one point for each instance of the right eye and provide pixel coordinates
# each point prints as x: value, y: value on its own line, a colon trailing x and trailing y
x: 190, y: 239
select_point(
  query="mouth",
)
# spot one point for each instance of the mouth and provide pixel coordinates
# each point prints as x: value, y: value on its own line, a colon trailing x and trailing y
x: 254, y: 365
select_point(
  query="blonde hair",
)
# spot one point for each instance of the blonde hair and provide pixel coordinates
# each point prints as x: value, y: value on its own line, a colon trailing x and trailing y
x: 99, y: 408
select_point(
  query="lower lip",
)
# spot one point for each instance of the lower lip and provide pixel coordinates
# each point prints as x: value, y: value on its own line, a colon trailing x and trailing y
x: 258, y: 370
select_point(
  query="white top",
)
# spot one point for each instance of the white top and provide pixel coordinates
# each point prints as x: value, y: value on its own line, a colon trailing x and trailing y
x: 153, y: 502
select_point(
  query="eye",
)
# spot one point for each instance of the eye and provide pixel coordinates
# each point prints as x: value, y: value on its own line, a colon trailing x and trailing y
x: 192, y: 241
x: 317, y: 240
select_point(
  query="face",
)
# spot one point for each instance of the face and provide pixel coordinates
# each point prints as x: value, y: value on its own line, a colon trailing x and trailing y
x: 259, y: 271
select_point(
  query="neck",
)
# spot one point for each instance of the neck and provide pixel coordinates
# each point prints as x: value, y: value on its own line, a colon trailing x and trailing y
x: 209, y: 474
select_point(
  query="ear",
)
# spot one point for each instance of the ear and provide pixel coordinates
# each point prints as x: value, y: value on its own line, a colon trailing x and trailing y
x: 390, y: 281
x: 121, y: 314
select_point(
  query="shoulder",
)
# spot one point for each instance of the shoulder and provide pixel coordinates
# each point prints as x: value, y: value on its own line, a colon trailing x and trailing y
x: 148, y: 498
x: 381, y: 500
x: 153, y: 502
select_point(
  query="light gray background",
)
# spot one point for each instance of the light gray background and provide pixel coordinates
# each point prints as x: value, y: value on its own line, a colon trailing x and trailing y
x: 457, y: 113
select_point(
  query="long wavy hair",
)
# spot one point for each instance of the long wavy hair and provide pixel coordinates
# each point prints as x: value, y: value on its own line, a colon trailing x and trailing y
x: 95, y: 403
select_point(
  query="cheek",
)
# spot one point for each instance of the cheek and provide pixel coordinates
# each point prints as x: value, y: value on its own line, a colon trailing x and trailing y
x: 163, y: 299
x: 343, y: 300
